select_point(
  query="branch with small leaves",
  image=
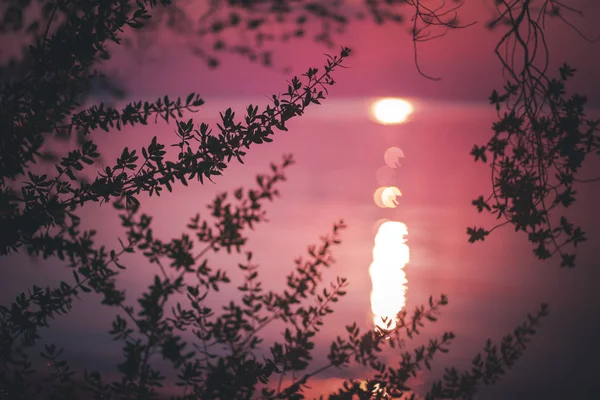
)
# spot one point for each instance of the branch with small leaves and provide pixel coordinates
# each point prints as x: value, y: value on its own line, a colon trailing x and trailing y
x: 40, y: 208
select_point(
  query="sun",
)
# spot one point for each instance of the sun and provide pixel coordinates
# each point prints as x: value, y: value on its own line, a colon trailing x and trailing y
x: 391, y: 110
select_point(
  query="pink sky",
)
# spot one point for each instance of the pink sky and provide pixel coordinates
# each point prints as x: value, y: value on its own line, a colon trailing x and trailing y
x: 338, y: 150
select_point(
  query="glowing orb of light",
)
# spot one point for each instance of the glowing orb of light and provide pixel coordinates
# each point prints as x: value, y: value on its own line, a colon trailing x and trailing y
x: 390, y: 255
x: 389, y: 195
x: 383, y: 392
x: 377, y: 389
x: 391, y: 110
x: 377, y: 197
x: 392, y: 155
x: 386, y: 196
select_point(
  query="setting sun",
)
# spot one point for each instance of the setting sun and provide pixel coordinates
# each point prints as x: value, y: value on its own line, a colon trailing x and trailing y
x: 390, y: 111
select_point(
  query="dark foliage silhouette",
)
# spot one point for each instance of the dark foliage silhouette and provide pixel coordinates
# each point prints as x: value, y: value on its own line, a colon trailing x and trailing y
x: 542, y: 136
x: 539, y: 143
x: 213, y: 353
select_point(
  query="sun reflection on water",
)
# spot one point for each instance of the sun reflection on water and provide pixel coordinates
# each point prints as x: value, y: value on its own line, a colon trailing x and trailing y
x: 387, y: 196
x: 390, y: 255
x: 392, y: 157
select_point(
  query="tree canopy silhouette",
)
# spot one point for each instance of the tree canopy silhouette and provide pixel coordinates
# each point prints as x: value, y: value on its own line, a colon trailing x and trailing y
x: 539, y: 144
x: 542, y: 136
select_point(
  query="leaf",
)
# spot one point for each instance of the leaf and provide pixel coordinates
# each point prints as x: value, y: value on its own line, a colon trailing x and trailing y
x: 189, y: 98
x: 567, y: 260
x: 481, y: 204
x: 479, y: 153
x: 476, y: 234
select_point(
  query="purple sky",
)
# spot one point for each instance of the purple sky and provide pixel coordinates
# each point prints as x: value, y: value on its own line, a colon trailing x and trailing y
x: 338, y: 150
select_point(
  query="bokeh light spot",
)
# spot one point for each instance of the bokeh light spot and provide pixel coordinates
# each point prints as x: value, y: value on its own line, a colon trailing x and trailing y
x: 377, y: 197
x: 392, y: 157
x: 390, y: 195
x: 386, y: 196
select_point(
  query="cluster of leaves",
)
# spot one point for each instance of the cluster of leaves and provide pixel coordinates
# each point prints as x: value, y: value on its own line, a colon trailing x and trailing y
x: 224, y: 358
x: 489, y: 366
x: 250, y: 28
x: 246, y: 27
x: 47, y: 201
x: 215, y: 352
x: 58, y: 72
x: 541, y: 139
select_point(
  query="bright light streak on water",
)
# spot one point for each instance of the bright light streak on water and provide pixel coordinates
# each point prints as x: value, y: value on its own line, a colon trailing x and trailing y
x: 390, y: 255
